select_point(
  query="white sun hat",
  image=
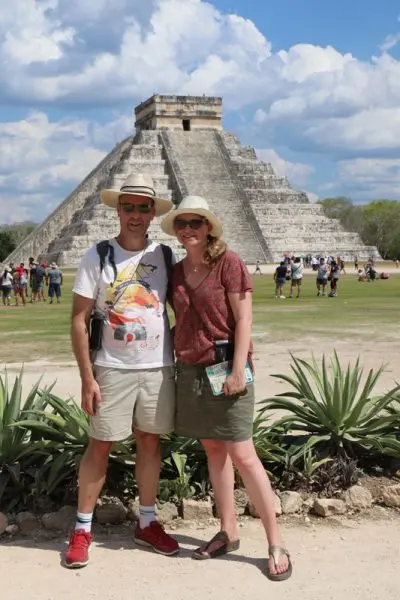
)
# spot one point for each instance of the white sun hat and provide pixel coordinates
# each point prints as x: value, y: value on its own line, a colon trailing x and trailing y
x: 137, y: 184
x: 195, y: 205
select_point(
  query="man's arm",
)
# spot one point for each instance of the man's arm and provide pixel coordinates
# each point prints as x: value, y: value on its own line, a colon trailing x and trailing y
x: 81, y: 310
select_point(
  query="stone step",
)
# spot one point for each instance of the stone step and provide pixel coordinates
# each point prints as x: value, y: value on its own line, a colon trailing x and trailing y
x: 204, y: 173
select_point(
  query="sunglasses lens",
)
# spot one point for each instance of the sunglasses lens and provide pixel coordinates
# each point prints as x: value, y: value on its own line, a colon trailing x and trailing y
x: 145, y: 208
x: 142, y: 208
x: 193, y: 223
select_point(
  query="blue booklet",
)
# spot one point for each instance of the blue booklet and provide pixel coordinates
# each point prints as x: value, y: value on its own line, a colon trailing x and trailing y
x: 218, y: 373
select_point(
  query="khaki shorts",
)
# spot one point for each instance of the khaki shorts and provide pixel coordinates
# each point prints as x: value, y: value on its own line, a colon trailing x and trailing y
x: 133, y: 398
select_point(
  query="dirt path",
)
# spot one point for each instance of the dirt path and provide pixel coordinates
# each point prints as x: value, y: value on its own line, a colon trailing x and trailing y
x: 270, y: 357
x: 351, y: 560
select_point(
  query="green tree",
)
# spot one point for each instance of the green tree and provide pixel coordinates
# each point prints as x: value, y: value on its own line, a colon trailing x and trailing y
x: 381, y: 227
x: 7, y: 244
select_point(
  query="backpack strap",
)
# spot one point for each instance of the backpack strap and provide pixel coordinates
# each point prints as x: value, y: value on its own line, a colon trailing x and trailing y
x: 167, y: 253
x: 104, y: 250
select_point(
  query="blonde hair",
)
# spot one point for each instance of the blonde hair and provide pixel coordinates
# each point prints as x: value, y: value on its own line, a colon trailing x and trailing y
x: 215, y: 249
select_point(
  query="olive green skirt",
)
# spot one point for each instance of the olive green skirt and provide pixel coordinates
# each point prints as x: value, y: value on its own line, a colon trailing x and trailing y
x: 201, y: 415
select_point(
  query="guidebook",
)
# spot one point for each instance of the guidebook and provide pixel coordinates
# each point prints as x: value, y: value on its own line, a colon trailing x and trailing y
x: 218, y: 373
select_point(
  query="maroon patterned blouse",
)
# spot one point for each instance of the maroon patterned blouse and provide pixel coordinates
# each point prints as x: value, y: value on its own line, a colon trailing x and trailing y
x: 203, y: 315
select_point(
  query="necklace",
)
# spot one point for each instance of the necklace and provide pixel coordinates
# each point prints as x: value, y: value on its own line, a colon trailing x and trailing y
x: 194, y: 268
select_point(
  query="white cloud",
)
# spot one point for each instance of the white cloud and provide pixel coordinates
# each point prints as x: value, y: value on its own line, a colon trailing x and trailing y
x: 41, y: 160
x: 297, y: 173
x: 30, y: 34
x: 370, y: 178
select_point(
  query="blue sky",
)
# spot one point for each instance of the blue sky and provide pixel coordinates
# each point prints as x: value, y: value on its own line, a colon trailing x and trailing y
x: 313, y: 85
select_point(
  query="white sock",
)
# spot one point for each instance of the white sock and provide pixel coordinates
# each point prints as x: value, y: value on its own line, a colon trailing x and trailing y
x: 147, y: 514
x: 84, y: 521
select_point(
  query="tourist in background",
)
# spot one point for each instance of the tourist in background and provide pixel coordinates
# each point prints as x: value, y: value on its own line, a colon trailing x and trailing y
x: 38, y: 276
x: 54, y: 280
x: 211, y: 295
x: 6, y: 286
x: 333, y: 277
x: 258, y: 268
x: 322, y: 277
x: 20, y: 279
x: 296, y: 276
x: 280, y: 279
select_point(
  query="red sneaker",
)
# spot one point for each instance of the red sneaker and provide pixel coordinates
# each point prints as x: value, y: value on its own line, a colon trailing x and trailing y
x: 77, y: 554
x: 155, y: 537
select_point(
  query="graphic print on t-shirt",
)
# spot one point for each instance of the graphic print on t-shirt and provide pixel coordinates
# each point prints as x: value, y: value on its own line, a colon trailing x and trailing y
x: 128, y: 300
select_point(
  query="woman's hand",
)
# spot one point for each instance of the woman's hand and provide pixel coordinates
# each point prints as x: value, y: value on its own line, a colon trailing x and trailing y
x: 234, y: 384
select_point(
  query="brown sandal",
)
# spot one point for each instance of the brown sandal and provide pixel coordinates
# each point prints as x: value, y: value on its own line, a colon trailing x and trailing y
x: 276, y: 552
x: 224, y: 546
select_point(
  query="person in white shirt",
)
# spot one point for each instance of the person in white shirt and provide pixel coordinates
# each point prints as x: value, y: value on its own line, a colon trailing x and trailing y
x: 322, y: 277
x: 296, y: 275
x: 6, y: 286
x: 129, y: 380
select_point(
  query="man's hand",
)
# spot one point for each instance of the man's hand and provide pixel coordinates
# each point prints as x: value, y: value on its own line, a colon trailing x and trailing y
x: 91, y: 397
x: 234, y: 384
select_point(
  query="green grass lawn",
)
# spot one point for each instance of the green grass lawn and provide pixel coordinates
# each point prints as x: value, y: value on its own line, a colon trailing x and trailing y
x: 41, y: 331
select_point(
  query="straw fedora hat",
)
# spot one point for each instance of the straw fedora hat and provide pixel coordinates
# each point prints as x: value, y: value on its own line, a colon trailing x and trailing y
x: 137, y: 184
x: 196, y: 205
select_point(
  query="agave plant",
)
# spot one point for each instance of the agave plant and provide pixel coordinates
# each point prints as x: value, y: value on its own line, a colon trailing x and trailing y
x: 63, y: 429
x: 20, y: 456
x: 340, y: 412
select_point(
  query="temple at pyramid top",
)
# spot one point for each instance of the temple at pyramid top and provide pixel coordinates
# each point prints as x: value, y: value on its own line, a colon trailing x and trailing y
x: 185, y: 113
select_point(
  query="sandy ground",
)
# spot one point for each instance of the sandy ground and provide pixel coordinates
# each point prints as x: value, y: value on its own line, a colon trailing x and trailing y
x: 350, y: 560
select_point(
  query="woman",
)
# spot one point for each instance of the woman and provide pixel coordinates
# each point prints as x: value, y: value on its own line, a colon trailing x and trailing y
x: 280, y: 279
x: 211, y: 295
x: 297, y: 276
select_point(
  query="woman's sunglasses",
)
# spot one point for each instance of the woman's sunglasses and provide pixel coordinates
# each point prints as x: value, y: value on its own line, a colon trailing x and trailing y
x: 145, y: 209
x: 181, y: 224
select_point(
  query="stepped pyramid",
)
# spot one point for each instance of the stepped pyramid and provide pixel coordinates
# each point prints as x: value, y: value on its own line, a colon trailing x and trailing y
x: 180, y: 141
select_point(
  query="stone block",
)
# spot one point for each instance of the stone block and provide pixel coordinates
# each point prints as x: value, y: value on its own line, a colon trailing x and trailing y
x: 241, y: 500
x: 253, y: 512
x: 328, y: 507
x: 12, y: 529
x: 391, y: 496
x: 26, y: 522
x: 291, y: 502
x: 167, y: 512
x: 196, y: 510
x: 110, y: 511
x: 358, y: 498
x: 62, y: 520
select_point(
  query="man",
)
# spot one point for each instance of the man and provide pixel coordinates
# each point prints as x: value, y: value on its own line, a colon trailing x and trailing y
x: 38, y: 275
x: 132, y: 383
x: 54, y: 280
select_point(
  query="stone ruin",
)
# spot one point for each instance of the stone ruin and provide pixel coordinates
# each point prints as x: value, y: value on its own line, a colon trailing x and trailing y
x: 180, y: 141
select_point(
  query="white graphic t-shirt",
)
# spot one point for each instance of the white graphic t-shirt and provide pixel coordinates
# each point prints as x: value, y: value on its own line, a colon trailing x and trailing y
x: 136, y: 333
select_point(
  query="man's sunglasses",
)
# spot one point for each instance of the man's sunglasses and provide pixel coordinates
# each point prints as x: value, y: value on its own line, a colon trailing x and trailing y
x: 181, y: 224
x: 145, y: 209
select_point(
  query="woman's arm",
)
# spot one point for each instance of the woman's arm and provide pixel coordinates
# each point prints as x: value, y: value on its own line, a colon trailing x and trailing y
x: 241, y: 304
